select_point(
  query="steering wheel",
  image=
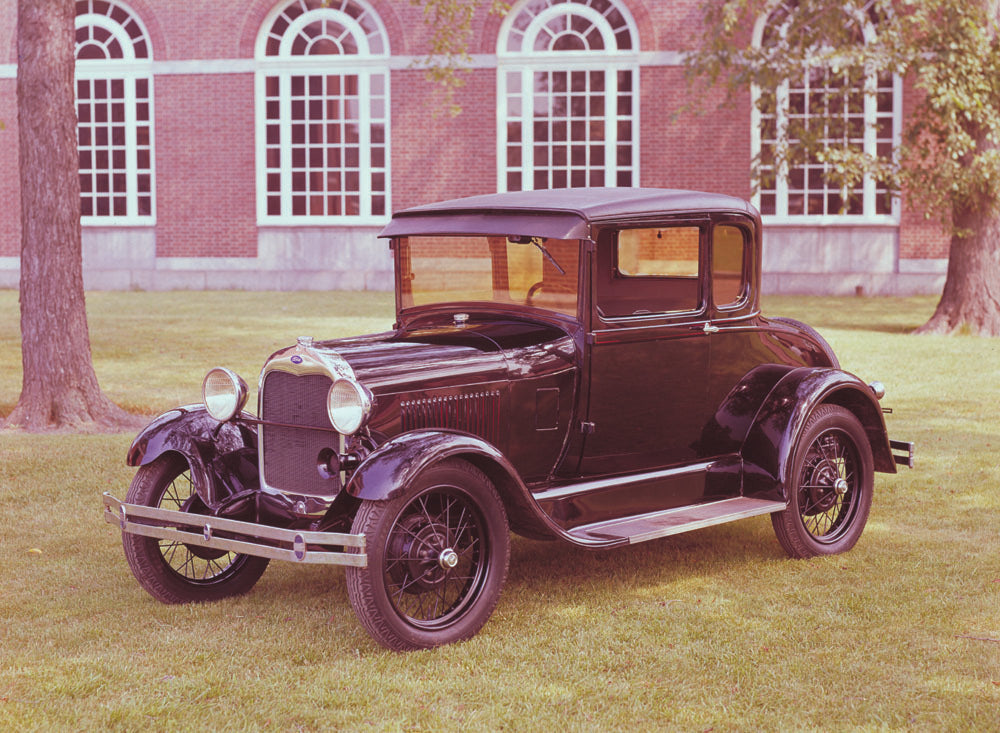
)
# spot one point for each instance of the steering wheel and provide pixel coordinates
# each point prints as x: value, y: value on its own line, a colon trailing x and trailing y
x: 532, y: 291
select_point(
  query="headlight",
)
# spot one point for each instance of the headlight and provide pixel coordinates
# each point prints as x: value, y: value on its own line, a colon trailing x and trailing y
x: 348, y: 405
x: 224, y: 392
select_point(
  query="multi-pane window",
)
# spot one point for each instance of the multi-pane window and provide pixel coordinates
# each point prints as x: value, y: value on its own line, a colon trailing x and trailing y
x: 568, y: 74
x: 114, y: 109
x: 838, y: 110
x: 323, y: 114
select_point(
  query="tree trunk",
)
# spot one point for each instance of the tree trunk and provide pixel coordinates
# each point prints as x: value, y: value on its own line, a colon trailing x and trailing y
x: 971, y: 298
x: 59, y: 388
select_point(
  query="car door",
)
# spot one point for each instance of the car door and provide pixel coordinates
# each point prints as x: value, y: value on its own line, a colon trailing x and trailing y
x: 648, y: 357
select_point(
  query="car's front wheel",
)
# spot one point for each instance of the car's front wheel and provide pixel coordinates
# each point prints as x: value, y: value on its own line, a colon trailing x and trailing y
x: 830, y: 486
x: 437, y: 559
x: 170, y: 570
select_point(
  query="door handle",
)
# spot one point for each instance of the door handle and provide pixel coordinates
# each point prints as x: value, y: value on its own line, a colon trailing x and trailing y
x: 709, y: 328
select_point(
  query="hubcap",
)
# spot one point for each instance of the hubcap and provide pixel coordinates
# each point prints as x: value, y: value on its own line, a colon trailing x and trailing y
x: 448, y: 559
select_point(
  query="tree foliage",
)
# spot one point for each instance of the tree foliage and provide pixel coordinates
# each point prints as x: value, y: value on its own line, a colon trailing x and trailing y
x: 949, y: 157
x: 450, y: 25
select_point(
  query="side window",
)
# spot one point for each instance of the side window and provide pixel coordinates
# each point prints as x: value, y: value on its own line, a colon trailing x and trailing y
x: 651, y: 271
x: 728, y: 265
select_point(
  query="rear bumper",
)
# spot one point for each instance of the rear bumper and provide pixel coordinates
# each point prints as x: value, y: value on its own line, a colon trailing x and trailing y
x: 902, y: 452
x: 230, y: 535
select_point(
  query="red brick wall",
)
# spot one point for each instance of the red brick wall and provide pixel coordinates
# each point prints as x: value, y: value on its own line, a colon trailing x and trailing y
x: 204, y: 124
x: 919, y: 236
x: 706, y: 148
x: 436, y: 156
x: 10, y: 200
x: 205, y: 190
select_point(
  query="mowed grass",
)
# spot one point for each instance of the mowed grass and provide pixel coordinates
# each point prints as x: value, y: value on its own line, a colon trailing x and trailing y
x: 710, y: 630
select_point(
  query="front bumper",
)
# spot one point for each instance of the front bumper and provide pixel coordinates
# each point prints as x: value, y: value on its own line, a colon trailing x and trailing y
x: 230, y: 535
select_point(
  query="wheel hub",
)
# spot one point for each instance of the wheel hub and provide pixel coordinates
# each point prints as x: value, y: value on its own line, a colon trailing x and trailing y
x: 825, y: 487
x: 427, y: 555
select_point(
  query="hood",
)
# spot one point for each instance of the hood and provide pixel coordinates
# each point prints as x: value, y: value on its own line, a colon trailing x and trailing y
x: 388, y: 362
x: 449, y: 355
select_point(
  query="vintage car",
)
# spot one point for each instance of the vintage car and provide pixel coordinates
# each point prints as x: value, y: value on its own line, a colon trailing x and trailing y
x: 584, y: 365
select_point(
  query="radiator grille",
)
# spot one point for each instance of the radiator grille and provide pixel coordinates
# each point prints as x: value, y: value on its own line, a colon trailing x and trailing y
x: 290, y: 455
x: 477, y: 413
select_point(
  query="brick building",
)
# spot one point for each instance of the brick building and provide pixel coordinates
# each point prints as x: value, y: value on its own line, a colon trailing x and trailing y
x: 262, y: 144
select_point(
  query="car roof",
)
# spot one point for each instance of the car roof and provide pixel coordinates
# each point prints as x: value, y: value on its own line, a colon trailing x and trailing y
x: 564, y: 213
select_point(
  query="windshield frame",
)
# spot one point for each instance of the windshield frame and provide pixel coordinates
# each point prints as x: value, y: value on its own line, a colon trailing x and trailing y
x: 407, y: 313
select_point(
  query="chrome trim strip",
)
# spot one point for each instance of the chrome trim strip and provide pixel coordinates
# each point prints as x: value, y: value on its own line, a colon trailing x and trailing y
x: 654, y: 525
x: 302, y: 544
x: 561, y: 492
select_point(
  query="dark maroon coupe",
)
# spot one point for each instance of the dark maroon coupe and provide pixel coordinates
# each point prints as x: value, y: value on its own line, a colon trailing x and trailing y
x: 587, y: 365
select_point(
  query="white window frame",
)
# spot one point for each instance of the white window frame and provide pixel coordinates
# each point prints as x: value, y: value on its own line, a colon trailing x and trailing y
x: 868, y: 215
x: 129, y: 69
x: 526, y: 63
x: 364, y: 65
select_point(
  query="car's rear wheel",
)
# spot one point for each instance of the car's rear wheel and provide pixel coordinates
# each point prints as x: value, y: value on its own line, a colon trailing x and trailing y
x: 170, y: 570
x: 437, y: 559
x: 830, y: 486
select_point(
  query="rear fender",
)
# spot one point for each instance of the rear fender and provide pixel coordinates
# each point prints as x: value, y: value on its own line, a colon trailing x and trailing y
x: 387, y: 471
x: 770, y: 442
x: 222, y: 456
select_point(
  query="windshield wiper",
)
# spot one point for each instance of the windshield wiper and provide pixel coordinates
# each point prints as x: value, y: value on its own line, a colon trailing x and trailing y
x: 537, y: 241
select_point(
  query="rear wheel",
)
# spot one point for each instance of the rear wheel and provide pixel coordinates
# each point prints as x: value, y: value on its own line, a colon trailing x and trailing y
x: 830, y: 486
x: 437, y: 559
x: 169, y: 570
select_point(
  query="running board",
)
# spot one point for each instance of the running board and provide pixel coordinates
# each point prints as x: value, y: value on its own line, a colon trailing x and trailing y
x: 674, y: 521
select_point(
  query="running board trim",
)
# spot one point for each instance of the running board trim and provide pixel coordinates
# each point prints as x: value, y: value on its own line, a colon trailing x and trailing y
x: 674, y: 521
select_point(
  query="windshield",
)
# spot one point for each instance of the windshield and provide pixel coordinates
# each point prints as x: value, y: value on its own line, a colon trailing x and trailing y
x: 535, y: 271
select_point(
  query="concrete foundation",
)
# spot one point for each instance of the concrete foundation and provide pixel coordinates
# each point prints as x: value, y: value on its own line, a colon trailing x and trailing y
x: 798, y: 260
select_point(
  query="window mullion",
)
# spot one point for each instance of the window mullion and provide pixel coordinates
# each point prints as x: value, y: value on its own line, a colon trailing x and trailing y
x: 131, y: 149
x: 781, y: 157
x: 364, y: 141
x: 527, y: 130
x: 610, y: 128
x: 285, y: 130
x: 870, y: 141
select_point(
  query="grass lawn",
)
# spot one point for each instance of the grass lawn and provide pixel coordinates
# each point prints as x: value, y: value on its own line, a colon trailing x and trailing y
x: 710, y: 630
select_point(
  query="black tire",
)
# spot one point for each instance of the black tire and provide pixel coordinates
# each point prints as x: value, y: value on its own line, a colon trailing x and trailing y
x: 830, y: 486
x: 437, y: 559
x: 169, y: 570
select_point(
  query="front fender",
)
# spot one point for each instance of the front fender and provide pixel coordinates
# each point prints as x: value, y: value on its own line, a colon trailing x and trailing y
x: 222, y: 456
x: 770, y: 442
x: 392, y: 467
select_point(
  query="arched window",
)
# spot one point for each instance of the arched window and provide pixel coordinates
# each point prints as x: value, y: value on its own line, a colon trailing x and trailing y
x: 568, y: 95
x: 838, y: 109
x: 114, y: 98
x: 322, y: 114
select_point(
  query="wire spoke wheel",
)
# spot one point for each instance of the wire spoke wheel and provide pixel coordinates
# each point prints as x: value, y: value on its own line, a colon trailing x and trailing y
x: 437, y: 559
x: 434, y: 560
x: 196, y: 564
x: 828, y: 486
x: 831, y: 479
x: 169, y: 569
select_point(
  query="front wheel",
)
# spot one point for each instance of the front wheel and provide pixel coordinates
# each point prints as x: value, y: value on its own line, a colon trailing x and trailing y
x: 830, y: 486
x: 437, y: 559
x: 169, y: 570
